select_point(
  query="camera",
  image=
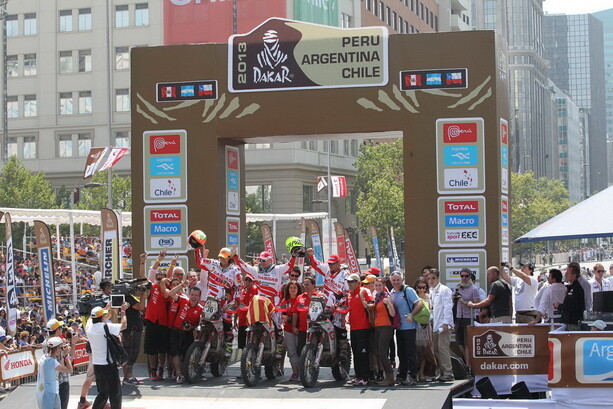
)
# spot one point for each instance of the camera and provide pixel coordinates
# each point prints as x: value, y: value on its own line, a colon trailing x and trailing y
x: 130, y: 287
x: 90, y: 301
x: 186, y: 325
x: 456, y: 295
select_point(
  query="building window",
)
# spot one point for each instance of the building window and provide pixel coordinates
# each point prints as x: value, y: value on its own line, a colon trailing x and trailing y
x: 29, y: 147
x: 345, y: 20
x: 64, y: 147
x: 85, y: 102
x: 29, y: 64
x: 65, y: 21
x: 85, y: 60
x: 375, y: 8
x: 368, y: 5
x: 85, y: 144
x: 122, y: 17
x: 12, y: 66
x: 346, y: 147
x: 11, y: 147
x: 12, y: 26
x: 388, y: 15
x: 122, y: 58
x: 12, y: 107
x: 122, y: 100
x: 65, y: 62
x: 354, y: 148
x: 29, y: 106
x: 401, y: 24
x: 382, y: 11
x: 122, y: 139
x: 334, y: 147
x: 141, y: 15
x: 308, y: 195
x: 85, y: 19
x: 427, y: 16
x: 29, y: 24
x: 395, y: 21
x: 65, y: 103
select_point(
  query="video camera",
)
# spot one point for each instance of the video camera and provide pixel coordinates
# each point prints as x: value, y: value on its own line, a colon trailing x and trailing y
x: 90, y: 301
x: 130, y: 287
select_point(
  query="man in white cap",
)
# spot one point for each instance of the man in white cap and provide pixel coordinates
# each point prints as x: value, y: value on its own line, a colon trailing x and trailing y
x: 598, y: 325
x: 107, y: 373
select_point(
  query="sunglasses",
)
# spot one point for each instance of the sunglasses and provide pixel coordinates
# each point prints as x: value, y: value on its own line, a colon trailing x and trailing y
x: 431, y: 278
x: 421, y: 287
x: 263, y: 260
x: 600, y: 271
x: 464, y: 275
x: 294, y: 276
x: 351, y: 281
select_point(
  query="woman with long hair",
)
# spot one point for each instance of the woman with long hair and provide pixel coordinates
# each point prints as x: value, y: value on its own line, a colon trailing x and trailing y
x: 425, y: 352
x: 291, y: 290
x: 384, y: 313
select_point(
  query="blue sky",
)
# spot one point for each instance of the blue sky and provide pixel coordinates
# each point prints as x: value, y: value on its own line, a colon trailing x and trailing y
x: 575, y: 6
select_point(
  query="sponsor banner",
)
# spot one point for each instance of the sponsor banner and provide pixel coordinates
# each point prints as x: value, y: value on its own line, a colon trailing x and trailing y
x: 165, y: 163
x: 186, y: 91
x: 339, y: 186
x: 114, y: 156
x: 165, y: 228
x: 45, y: 257
x: 504, y: 221
x: 372, y: 231
x: 504, y: 156
x: 352, y: 260
x: 93, y: 160
x: 269, y: 243
x: 318, y: 250
x: 505, y: 254
x: 233, y: 182
x: 587, y: 359
x: 460, y: 155
x: 461, y: 221
x: 110, y: 256
x: 396, y: 263
x: 434, y: 79
x: 452, y: 274
x: 15, y: 365
x: 80, y: 355
x: 508, y: 349
x: 9, y: 268
x: 182, y: 261
x: 290, y: 55
x: 321, y: 183
x: 233, y: 232
x: 339, y: 231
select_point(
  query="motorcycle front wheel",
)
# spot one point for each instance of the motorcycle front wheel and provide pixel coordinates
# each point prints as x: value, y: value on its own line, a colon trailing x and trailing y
x: 309, y: 372
x: 191, y: 363
x: 250, y: 372
x: 340, y: 370
x: 219, y: 368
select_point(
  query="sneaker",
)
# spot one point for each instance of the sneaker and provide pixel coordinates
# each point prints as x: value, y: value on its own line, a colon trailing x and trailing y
x: 408, y: 382
x: 131, y: 381
x: 294, y: 378
x: 154, y: 376
x: 446, y: 378
x: 180, y: 379
x: 84, y: 405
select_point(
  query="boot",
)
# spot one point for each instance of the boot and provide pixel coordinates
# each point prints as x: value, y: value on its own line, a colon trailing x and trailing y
x: 389, y: 379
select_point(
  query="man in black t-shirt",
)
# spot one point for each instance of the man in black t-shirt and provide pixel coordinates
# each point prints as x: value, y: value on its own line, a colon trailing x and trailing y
x: 499, y: 298
x: 131, y: 336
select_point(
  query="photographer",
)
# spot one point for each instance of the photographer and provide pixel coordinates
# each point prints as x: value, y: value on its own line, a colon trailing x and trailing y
x: 56, y: 359
x: 56, y: 329
x: 107, y: 375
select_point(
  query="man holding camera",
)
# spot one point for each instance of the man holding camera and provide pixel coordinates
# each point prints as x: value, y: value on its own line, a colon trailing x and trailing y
x: 131, y: 335
x: 526, y: 286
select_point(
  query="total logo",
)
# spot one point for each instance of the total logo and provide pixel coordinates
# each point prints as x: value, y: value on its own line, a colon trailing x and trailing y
x: 462, y: 206
x: 462, y: 132
x: 461, y: 178
x: 164, y: 144
x: 165, y: 215
x: 233, y: 227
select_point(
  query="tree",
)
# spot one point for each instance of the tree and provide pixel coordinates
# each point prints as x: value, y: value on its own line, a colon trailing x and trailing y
x: 535, y: 200
x: 95, y: 198
x: 22, y: 188
x: 380, y: 187
x: 256, y: 202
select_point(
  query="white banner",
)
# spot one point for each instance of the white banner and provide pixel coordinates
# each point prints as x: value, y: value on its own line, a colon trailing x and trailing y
x: 114, y: 157
x: 339, y: 186
x: 17, y: 364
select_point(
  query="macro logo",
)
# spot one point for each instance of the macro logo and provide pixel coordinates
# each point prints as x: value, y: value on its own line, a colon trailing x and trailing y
x: 594, y: 360
x: 461, y: 132
x: 164, y: 144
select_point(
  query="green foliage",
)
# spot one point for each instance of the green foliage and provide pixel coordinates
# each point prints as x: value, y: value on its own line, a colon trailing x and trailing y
x: 256, y: 203
x: 22, y: 188
x: 95, y: 198
x: 380, y: 187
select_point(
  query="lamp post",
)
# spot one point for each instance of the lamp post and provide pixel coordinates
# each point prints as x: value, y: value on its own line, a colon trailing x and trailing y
x: 5, y: 124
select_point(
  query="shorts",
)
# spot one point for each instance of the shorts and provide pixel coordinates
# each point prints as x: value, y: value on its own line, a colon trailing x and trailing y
x: 179, y: 342
x: 156, y: 338
x: 131, y: 343
x: 460, y: 330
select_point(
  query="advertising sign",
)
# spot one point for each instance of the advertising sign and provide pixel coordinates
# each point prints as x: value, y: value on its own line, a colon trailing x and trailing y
x: 45, y: 257
x: 182, y: 261
x: 460, y: 155
x: 110, y: 259
x: 269, y: 243
x: 165, y: 163
x: 339, y: 231
x: 93, y: 160
x: 291, y: 55
x: 233, y: 232
x: 508, y: 349
x: 166, y: 228
x: 504, y: 156
x: 452, y: 261
x: 233, y: 181
x: 461, y: 221
x: 9, y: 267
x: 581, y: 359
x: 80, y: 356
x: 504, y: 221
x: 17, y: 364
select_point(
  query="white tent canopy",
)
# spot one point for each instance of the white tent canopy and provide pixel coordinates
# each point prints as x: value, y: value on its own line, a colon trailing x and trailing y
x: 590, y: 218
x: 63, y: 216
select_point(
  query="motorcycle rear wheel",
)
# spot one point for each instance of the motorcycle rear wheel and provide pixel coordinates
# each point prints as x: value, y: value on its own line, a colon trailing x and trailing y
x: 308, y: 371
x: 191, y: 367
x: 219, y: 368
x: 345, y: 365
x: 250, y: 372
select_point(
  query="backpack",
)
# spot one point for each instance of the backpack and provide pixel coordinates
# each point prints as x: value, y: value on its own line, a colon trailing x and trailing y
x: 115, y: 352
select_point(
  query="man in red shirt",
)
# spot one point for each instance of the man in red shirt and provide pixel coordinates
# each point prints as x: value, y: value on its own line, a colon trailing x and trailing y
x: 246, y: 294
x: 182, y: 332
x: 359, y: 299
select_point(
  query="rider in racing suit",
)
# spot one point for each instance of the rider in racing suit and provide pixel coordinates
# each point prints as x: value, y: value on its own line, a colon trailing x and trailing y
x: 223, y: 277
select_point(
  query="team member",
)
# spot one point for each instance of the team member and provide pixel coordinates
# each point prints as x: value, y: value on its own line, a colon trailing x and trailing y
x: 384, y: 313
x: 107, y: 374
x: 359, y: 300
x: 55, y: 329
x: 246, y: 294
x: 291, y: 291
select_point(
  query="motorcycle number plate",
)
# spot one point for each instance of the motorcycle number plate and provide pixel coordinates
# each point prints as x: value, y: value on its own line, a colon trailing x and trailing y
x: 210, y: 308
x: 315, y: 309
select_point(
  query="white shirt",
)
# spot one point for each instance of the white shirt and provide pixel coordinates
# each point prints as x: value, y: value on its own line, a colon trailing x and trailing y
x: 525, y: 294
x: 96, y: 337
x: 553, y: 293
x: 441, y: 303
x: 587, y: 293
x: 597, y: 287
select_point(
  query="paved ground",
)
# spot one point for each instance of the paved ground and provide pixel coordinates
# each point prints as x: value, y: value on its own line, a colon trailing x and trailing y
x: 228, y: 393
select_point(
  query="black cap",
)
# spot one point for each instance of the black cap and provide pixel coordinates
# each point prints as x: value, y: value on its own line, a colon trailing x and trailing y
x: 529, y: 265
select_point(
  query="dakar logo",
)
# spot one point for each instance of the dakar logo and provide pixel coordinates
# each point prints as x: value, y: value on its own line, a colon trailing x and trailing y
x: 109, y: 223
x: 488, y: 345
x: 270, y: 61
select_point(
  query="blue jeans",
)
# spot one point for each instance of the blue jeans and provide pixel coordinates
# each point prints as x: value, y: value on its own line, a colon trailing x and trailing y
x: 407, y: 353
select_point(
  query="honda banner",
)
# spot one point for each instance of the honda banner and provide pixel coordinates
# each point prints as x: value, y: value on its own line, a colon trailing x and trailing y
x: 45, y: 257
x: 111, y: 256
x: 269, y: 244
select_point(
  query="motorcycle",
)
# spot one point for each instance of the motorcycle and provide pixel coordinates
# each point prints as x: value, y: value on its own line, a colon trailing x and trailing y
x: 209, y: 346
x: 262, y: 348
x: 322, y: 349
